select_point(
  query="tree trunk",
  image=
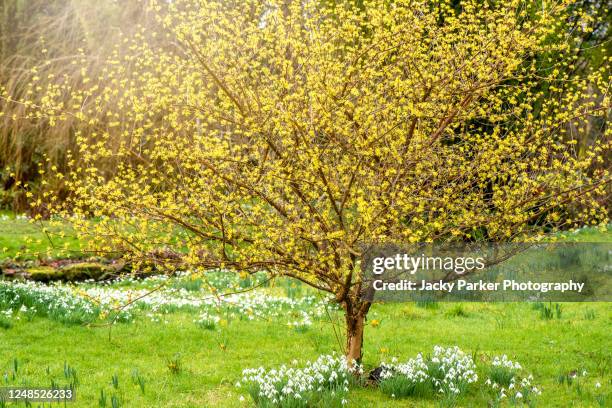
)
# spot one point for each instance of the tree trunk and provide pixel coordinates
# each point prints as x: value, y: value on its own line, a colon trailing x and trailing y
x: 355, y: 323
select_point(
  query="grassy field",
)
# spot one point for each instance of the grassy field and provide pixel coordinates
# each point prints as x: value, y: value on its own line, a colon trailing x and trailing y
x: 212, y: 361
x: 162, y: 357
x: 21, y: 239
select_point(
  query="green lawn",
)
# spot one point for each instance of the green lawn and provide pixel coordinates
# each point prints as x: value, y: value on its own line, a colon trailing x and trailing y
x: 39, y: 350
x: 580, y: 340
x: 21, y: 239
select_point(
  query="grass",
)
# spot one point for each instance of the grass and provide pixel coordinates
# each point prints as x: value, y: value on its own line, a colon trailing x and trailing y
x: 22, y: 240
x: 185, y: 366
x: 177, y: 363
x: 587, y: 234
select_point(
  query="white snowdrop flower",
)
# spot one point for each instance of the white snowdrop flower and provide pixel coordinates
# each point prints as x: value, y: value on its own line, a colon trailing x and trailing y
x: 519, y: 395
x: 597, y: 385
x: 241, y: 398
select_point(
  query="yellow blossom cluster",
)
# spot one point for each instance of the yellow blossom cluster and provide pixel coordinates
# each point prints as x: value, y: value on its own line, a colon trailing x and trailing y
x: 285, y: 135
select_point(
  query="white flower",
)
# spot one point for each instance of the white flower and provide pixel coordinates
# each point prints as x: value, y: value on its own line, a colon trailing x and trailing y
x: 519, y: 395
x: 241, y: 398
x: 597, y: 385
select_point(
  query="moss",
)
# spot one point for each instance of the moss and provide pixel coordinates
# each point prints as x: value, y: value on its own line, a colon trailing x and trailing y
x: 70, y: 273
x: 84, y: 270
x: 43, y: 273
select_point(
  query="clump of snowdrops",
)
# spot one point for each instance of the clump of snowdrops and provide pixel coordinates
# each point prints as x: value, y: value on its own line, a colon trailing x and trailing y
x: 322, y: 383
x: 447, y: 371
x: 506, y: 380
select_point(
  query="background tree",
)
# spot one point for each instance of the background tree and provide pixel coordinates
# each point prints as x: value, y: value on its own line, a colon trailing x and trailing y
x: 277, y: 136
x: 45, y: 44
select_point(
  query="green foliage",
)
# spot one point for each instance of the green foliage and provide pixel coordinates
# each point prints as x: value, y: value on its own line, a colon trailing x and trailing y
x: 402, y: 387
x: 549, y: 311
x: 428, y: 303
x: 139, y: 380
x: 21, y: 240
x: 175, y: 364
x: 5, y: 322
x: 191, y: 285
x: 502, y: 375
x: 457, y: 311
x: 102, y: 399
x: 115, y: 401
x: 207, y: 322
x: 70, y: 373
x: 590, y: 314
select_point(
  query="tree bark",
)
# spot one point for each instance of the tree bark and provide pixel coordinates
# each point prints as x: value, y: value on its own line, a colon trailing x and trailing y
x: 355, y: 323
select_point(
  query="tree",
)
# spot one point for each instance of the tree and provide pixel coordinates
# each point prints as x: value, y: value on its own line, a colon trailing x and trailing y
x: 39, y: 44
x: 285, y: 135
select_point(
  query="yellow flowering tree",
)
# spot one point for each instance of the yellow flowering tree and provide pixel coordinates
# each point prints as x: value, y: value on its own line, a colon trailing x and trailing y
x: 45, y: 44
x: 284, y: 135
